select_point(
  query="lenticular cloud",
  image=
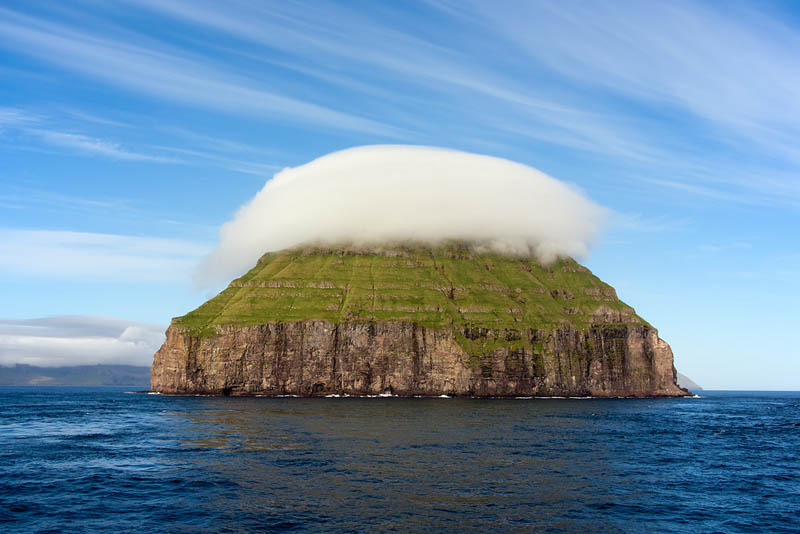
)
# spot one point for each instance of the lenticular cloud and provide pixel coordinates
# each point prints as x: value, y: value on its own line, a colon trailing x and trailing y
x: 382, y: 194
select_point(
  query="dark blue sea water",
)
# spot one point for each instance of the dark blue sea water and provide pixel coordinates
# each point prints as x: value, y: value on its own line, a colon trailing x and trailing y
x: 103, y: 460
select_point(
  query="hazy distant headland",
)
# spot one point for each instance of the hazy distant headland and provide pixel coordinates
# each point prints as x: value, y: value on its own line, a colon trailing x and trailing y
x: 686, y: 382
x: 78, y: 375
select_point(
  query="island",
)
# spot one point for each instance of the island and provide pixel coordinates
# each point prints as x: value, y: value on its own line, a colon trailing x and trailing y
x: 414, y: 320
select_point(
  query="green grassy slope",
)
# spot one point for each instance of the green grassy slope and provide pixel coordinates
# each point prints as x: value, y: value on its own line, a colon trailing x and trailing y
x: 442, y: 287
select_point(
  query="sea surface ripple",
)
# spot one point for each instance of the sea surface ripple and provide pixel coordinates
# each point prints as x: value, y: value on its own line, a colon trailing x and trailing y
x: 104, y: 460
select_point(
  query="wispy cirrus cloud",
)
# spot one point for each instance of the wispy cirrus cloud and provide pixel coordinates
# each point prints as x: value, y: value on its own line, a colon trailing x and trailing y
x: 15, y: 116
x: 734, y: 68
x: 83, y: 116
x: 233, y: 164
x: 66, y: 255
x: 200, y: 150
x: 165, y: 74
x: 25, y: 198
x: 39, y: 126
x: 349, y: 49
x: 220, y: 144
x: 641, y: 84
x: 665, y: 89
x: 90, y: 145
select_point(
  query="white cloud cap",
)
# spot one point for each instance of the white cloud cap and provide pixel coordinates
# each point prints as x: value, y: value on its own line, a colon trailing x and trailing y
x: 386, y: 193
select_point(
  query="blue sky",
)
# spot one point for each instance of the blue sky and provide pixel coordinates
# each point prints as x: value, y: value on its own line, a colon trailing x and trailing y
x: 129, y: 132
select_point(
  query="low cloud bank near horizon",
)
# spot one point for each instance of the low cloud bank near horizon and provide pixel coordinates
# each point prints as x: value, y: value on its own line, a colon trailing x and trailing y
x: 392, y: 193
x: 78, y: 340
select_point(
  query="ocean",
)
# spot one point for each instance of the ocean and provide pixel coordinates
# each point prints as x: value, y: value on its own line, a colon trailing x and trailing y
x: 105, y: 460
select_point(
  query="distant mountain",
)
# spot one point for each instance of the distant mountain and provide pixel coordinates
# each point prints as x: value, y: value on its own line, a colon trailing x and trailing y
x: 78, y: 375
x: 686, y: 382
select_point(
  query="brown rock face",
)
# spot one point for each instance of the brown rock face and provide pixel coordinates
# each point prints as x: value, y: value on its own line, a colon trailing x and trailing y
x: 316, y: 357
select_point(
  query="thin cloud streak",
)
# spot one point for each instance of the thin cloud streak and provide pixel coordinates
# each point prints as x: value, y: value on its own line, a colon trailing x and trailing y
x: 18, y: 120
x: 738, y: 197
x: 16, y: 117
x: 29, y: 197
x: 734, y: 87
x: 356, y: 40
x: 263, y: 170
x: 219, y: 144
x: 65, y: 255
x: 167, y: 76
x: 86, y: 144
x: 694, y: 57
x: 701, y: 79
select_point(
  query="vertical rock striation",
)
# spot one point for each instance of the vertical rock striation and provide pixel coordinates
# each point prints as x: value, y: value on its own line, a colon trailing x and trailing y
x: 320, y: 358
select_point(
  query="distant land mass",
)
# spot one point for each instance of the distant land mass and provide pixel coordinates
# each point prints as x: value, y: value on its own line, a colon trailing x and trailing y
x: 78, y: 375
x: 408, y: 320
x: 687, y: 383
